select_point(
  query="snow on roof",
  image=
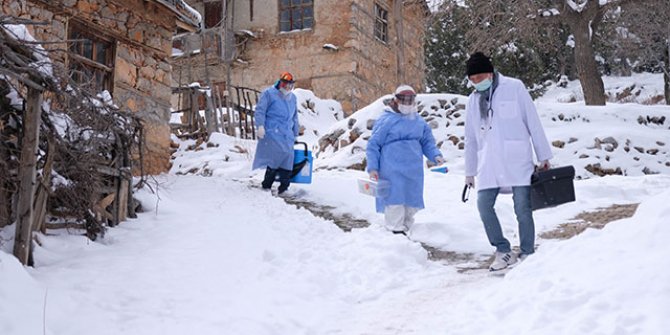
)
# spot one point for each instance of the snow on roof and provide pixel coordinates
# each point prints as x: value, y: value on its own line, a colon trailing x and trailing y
x: 184, y: 12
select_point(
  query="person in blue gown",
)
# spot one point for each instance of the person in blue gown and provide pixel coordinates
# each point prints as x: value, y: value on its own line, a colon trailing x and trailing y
x: 400, y: 138
x: 277, y: 125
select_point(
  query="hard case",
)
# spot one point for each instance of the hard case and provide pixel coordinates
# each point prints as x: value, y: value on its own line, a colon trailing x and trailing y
x: 302, y: 165
x: 552, y: 187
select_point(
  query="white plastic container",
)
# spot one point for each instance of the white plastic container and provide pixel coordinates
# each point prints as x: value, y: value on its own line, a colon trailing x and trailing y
x: 377, y: 189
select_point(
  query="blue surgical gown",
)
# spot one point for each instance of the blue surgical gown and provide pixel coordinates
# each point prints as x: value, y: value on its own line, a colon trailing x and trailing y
x: 278, y: 113
x: 396, y: 149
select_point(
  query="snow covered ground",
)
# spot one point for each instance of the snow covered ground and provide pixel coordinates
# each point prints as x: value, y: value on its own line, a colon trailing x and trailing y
x: 211, y: 254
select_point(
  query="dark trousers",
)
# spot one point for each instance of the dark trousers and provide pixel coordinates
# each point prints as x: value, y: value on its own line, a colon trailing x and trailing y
x: 284, y: 179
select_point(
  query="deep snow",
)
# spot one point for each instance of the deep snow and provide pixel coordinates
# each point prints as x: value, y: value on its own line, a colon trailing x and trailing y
x: 212, y: 254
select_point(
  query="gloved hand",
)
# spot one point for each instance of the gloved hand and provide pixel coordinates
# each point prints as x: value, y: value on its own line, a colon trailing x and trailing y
x: 374, y: 175
x: 470, y: 180
x: 260, y: 132
x: 544, y: 165
x: 440, y: 160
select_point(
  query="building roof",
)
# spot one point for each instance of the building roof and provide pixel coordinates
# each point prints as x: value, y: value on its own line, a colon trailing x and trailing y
x: 189, y: 18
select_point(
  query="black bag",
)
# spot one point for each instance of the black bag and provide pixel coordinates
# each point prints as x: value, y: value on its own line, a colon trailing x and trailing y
x: 552, y: 187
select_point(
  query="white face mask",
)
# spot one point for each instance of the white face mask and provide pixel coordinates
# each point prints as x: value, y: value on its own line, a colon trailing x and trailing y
x: 406, y: 109
x: 286, y: 88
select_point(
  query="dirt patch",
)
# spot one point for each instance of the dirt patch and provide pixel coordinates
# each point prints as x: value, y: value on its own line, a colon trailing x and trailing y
x: 594, y: 219
x: 345, y: 222
x: 467, y: 262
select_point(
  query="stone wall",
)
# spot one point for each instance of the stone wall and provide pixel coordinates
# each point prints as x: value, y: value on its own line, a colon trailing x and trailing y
x: 359, y: 72
x: 143, y: 33
x: 377, y: 62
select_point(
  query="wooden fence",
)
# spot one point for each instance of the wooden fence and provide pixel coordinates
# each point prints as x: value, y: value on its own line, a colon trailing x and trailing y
x: 204, y: 110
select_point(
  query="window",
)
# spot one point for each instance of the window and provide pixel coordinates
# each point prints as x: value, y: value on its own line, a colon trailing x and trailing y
x: 91, y: 59
x: 381, y: 23
x: 251, y: 10
x: 296, y: 14
x: 213, y: 13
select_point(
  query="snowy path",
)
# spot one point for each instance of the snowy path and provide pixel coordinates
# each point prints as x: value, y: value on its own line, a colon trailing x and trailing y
x: 220, y: 258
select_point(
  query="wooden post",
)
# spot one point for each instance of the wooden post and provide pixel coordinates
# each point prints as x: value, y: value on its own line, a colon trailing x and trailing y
x: 195, y: 114
x: 43, y: 189
x: 219, y: 108
x: 210, y: 114
x: 27, y: 176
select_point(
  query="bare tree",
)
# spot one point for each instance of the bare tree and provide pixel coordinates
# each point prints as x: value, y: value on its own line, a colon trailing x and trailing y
x: 501, y: 22
x: 645, y: 31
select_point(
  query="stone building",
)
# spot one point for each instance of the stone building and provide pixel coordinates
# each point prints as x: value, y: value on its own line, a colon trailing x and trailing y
x: 122, y: 46
x: 353, y: 51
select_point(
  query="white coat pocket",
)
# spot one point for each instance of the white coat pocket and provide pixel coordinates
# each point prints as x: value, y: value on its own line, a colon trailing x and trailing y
x: 508, y: 109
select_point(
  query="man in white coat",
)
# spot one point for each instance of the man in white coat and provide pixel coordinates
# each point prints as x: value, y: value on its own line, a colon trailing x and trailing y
x: 502, y: 129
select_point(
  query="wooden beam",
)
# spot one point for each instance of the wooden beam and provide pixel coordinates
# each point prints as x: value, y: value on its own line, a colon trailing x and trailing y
x: 27, y: 176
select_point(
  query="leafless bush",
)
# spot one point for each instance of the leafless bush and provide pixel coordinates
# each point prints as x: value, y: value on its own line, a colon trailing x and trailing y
x: 90, y: 138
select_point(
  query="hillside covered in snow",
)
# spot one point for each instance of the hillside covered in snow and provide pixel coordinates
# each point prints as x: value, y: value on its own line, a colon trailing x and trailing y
x: 626, y: 137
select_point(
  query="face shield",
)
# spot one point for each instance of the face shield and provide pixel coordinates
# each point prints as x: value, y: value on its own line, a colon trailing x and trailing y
x: 406, y: 104
x: 406, y: 99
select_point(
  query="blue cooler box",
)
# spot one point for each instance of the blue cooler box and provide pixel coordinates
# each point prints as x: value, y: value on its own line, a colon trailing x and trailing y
x: 302, y: 165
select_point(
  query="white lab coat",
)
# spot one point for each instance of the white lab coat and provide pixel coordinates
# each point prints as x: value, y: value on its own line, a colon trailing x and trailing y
x: 500, y: 153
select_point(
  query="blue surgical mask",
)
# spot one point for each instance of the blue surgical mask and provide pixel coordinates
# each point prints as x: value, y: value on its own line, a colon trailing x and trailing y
x: 483, y: 85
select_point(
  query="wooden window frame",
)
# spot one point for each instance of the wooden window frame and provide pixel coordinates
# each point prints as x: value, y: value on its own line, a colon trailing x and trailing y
x: 292, y: 22
x: 213, y: 13
x: 381, y: 27
x: 251, y: 10
x: 79, y: 63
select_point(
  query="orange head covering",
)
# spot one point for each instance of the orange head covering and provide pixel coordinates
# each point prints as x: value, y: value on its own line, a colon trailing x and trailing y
x: 287, y: 77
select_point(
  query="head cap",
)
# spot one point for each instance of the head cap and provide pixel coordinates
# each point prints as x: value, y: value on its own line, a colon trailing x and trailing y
x: 405, y: 95
x: 286, y: 77
x: 478, y: 63
x: 404, y: 90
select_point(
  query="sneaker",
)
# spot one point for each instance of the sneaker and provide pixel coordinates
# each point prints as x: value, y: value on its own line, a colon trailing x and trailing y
x: 503, y: 260
x: 522, y: 257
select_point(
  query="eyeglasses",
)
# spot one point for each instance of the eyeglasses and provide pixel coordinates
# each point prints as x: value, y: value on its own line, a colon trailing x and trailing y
x: 405, y: 99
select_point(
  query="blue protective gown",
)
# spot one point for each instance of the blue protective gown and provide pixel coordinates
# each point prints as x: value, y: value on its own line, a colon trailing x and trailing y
x: 278, y: 113
x: 396, y: 149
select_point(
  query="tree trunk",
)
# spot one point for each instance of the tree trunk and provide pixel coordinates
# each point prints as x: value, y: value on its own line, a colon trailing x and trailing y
x: 585, y: 62
x: 666, y: 75
x: 27, y: 176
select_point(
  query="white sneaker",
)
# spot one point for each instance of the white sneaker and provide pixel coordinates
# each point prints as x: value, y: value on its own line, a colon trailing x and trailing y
x: 503, y: 260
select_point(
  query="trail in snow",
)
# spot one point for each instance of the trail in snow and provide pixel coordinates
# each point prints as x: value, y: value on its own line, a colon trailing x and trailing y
x: 217, y: 257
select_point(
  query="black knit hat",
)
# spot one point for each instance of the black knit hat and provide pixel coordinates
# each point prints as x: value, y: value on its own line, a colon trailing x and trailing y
x: 478, y: 63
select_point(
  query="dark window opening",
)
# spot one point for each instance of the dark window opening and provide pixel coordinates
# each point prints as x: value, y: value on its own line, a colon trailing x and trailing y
x: 251, y: 10
x: 213, y: 13
x: 91, y: 58
x: 381, y: 23
x: 296, y: 14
